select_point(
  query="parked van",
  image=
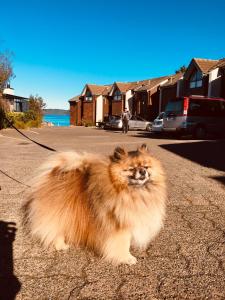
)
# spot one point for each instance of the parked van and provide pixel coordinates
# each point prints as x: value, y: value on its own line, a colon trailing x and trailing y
x: 196, y: 115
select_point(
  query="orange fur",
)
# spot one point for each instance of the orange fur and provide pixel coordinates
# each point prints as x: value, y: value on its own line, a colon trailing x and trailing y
x: 104, y: 203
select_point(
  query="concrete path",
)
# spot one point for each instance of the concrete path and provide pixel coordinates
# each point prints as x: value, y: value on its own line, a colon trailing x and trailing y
x: 185, y: 261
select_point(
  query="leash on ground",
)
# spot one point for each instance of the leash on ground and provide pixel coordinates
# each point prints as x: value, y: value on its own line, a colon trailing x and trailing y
x: 20, y: 132
x: 4, y: 173
x: 39, y: 144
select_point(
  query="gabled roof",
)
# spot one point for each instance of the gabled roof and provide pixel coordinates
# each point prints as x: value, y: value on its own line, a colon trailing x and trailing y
x: 149, y: 84
x: 106, y: 90
x: 205, y: 64
x: 202, y: 65
x: 96, y: 89
x: 75, y: 99
x: 220, y: 64
x: 123, y: 86
x: 173, y: 79
x: 140, y: 85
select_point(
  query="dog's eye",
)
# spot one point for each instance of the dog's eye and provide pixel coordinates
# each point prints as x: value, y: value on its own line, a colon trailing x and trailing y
x: 146, y: 167
x: 129, y: 169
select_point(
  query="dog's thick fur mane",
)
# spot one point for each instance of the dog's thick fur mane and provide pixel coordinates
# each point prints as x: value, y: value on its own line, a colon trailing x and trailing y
x: 81, y: 199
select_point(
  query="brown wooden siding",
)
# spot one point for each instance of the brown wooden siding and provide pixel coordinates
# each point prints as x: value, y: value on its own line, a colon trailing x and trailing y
x: 146, y: 104
x: 168, y: 93
x: 88, y: 111
x: 75, y: 113
x: 117, y: 107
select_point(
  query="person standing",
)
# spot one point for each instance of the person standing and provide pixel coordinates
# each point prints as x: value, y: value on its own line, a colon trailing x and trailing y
x: 125, y: 119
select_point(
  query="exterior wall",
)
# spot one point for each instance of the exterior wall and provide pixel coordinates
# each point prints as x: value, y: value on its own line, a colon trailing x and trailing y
x: 146, y: 104
x: 203, y: 90
x: 216, y: 77
x: 153, y: 107
x: 167, y: 93
x: 88, y: 111
x: 179, y: 86
x: 75, y: 113
x: 16, y: 105
x: 129, y: 100
x: 143, y: 105
x: 117, y: 107
x: 140, y: 104
x: 223, y: 85
x: 99, y: 108
x: 105, y: 106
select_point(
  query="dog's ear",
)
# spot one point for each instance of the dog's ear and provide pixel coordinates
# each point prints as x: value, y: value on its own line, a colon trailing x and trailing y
x: 143, y: 148
x: 119, y: 153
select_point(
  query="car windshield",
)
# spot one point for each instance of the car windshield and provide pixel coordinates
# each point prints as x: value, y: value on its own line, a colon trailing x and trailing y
x: 175, y: 106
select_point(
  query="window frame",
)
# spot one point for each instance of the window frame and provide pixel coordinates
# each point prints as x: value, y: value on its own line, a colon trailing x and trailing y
x: 117, y: 96
x: 196, y: 80
x: 88, y: 96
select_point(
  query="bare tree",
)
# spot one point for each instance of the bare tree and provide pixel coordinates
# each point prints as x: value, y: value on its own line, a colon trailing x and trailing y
x: 6, y: 70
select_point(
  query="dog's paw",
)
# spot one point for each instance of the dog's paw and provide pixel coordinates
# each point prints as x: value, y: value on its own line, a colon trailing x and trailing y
x: 61, y: 245
x: 128, y: 260
x: 131, y: 260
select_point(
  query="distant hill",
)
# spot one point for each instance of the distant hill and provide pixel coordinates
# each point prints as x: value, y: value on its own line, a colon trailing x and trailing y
x: 58, y: 112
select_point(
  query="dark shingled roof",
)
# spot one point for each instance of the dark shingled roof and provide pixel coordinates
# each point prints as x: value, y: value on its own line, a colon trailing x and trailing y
x: 173, y: 79
x: 140, y: 85
x: 98, y: 89
x: 220, y: 64
x: 149, y: 84
x: 205, y: 64
x: 75, y: 99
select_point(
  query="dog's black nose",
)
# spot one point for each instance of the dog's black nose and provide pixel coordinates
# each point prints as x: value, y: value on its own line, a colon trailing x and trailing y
x: 142, y: 172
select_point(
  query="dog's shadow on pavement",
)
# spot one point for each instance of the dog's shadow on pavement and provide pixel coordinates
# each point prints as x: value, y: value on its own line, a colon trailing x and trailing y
x: 209, y: 154
x: 9, y: 283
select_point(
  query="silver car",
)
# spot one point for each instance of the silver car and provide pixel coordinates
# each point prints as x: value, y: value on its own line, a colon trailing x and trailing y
x: 113, y: 122
x: 157, y: 125
x: 135, y: 123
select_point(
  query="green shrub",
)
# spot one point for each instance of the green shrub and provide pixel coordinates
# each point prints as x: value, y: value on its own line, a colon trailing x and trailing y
x: 24, y: 120
x: 87, y: 123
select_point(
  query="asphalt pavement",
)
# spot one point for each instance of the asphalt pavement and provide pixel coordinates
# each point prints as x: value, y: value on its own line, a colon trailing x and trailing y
x: 185, y: 261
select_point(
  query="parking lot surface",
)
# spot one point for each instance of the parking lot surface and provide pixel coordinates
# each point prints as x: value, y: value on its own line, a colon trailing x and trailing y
x: 185, y: 261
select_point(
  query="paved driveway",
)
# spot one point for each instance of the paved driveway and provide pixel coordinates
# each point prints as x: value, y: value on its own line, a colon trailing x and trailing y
x: 185, y: 261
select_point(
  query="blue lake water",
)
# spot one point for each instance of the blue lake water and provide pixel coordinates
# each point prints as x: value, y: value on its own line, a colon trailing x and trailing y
x: 63, y: 120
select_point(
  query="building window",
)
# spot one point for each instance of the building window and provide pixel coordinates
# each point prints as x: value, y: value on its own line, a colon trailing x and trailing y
x: 117, y: 95
x: 18, y: 106
x: 196, y: 80
x: 88, y: 96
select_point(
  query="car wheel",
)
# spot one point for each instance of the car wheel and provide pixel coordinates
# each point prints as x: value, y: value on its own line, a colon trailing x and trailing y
x: 200, y: 133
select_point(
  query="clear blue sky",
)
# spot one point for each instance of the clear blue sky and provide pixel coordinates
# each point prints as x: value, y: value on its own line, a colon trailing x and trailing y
x: 60, y: 45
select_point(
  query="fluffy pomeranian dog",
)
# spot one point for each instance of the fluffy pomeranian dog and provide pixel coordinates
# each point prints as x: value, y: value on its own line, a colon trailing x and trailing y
x: 105, y: 203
